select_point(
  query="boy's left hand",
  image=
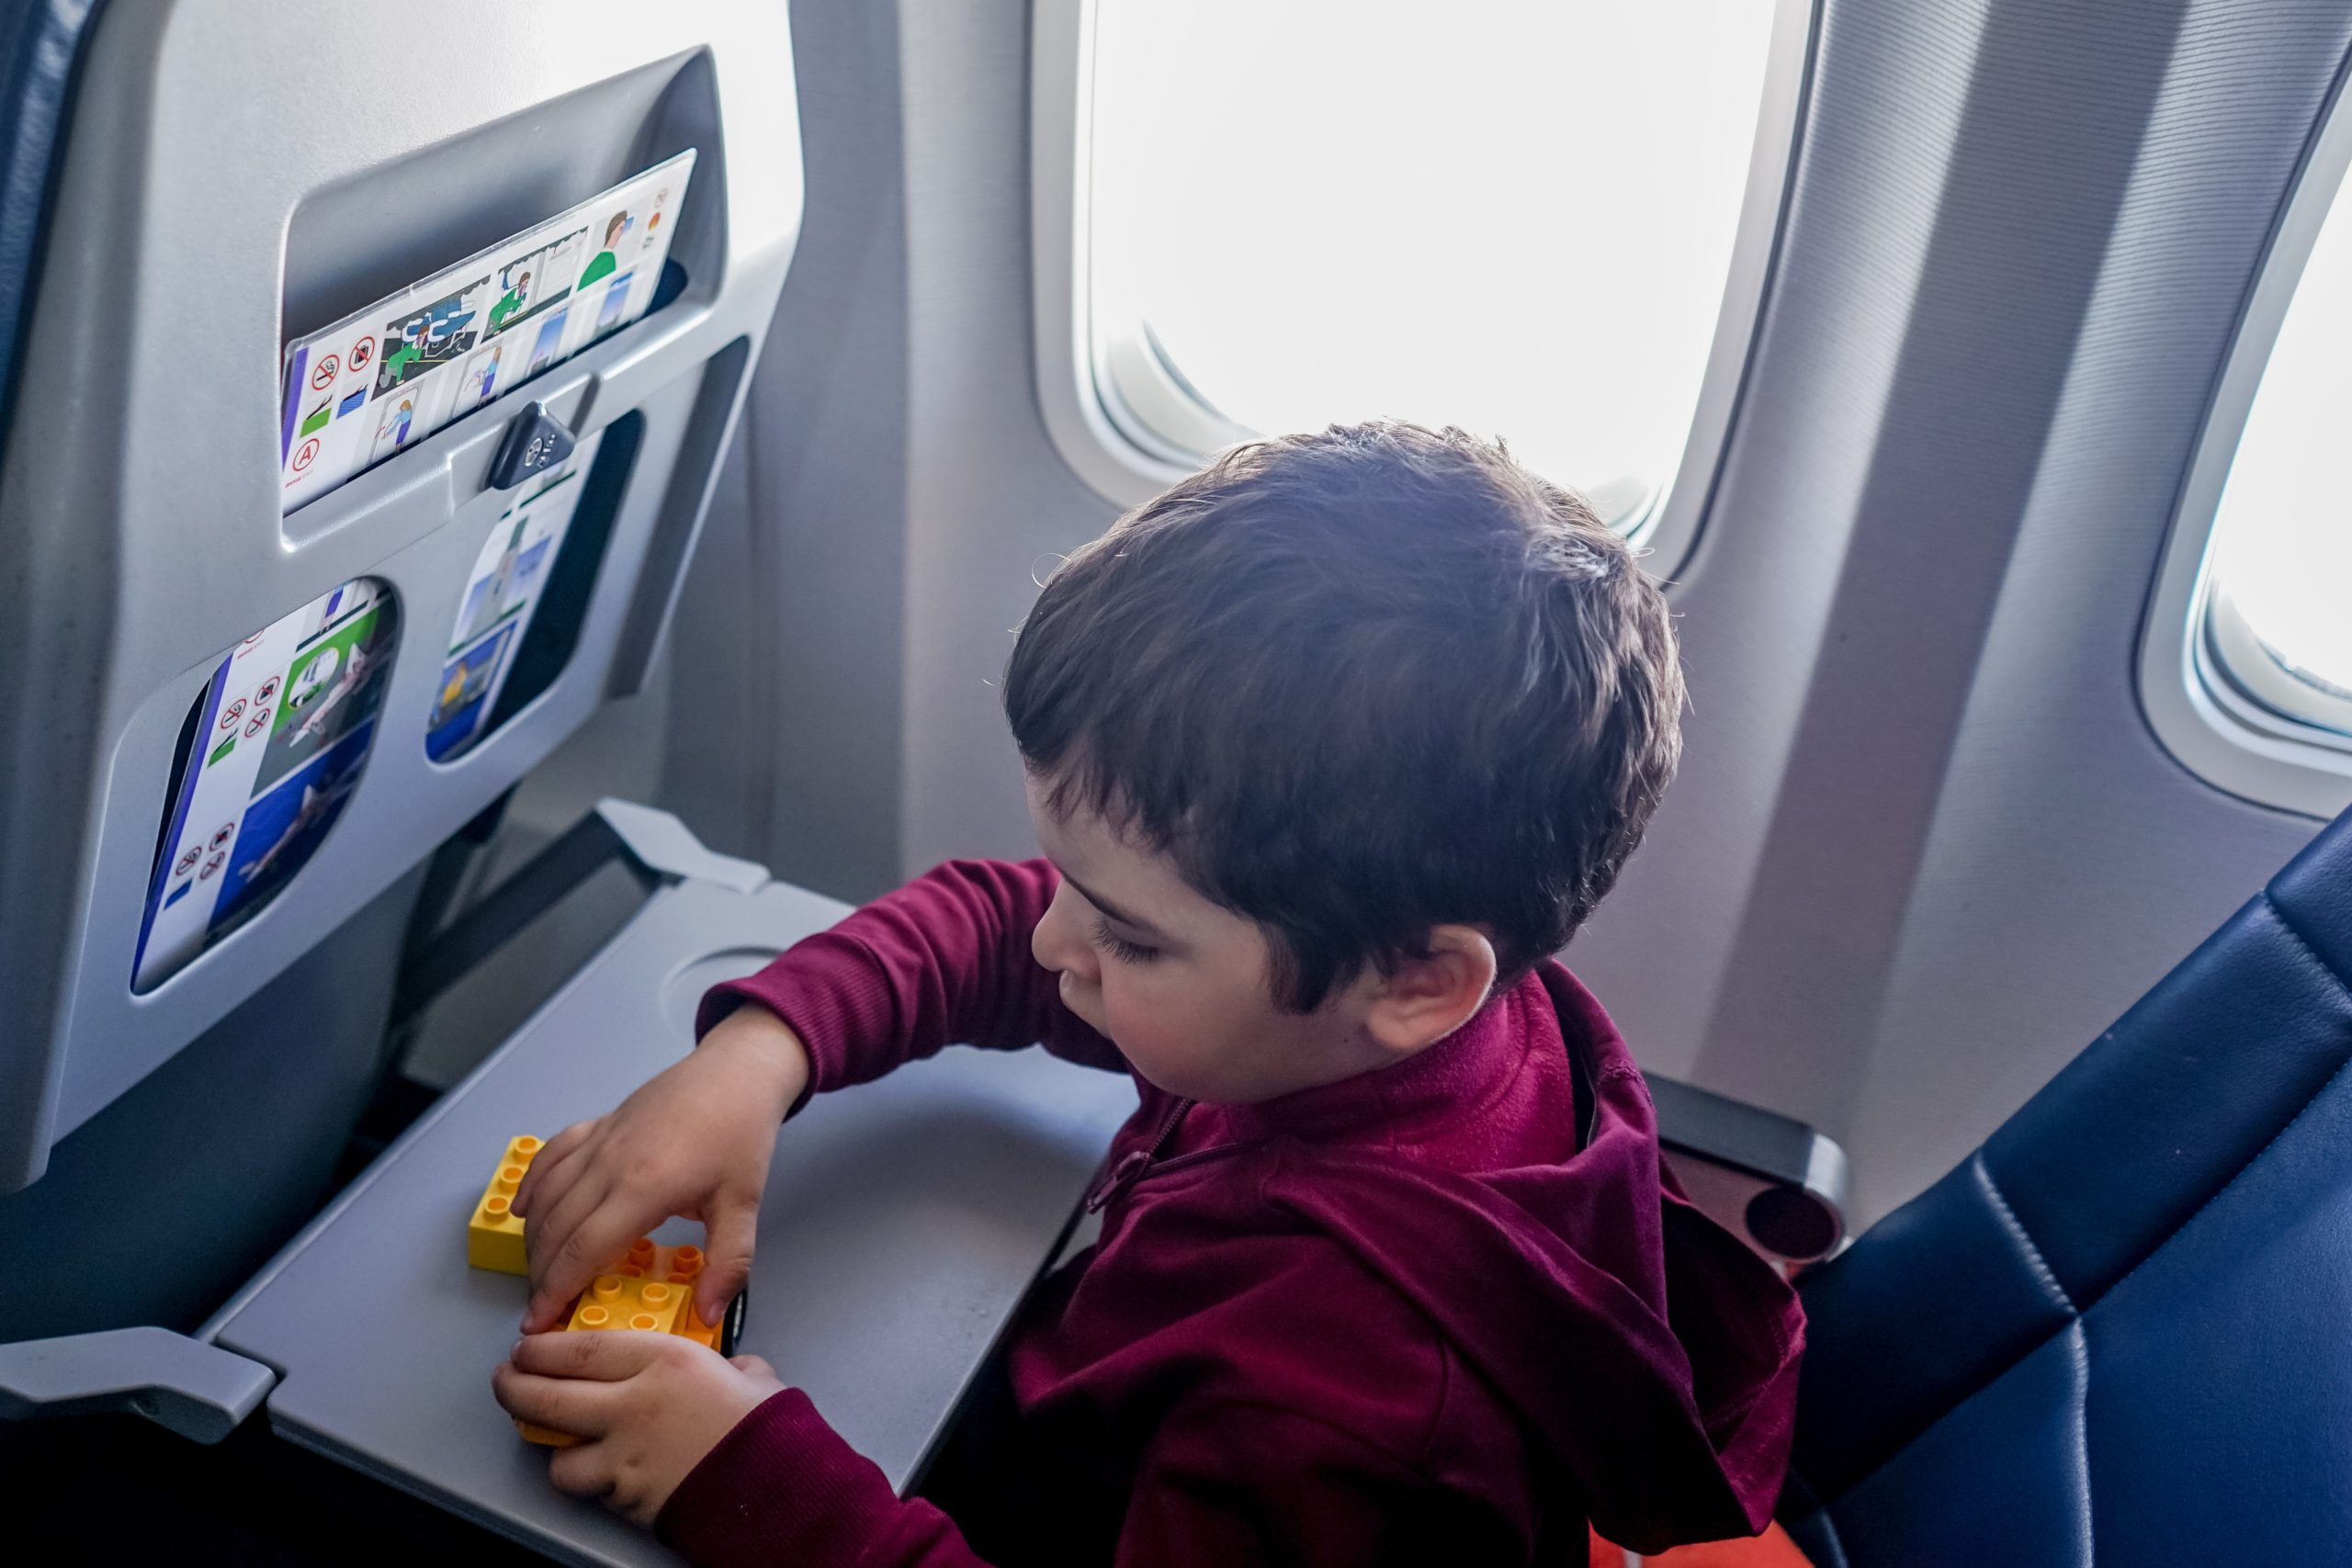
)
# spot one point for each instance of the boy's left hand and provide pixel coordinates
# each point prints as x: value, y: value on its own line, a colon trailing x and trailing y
x: 646, y: 1407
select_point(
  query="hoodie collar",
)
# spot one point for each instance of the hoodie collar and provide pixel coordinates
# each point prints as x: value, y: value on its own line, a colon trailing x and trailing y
x: 1460, y: 1076
x: 1655, y: 1353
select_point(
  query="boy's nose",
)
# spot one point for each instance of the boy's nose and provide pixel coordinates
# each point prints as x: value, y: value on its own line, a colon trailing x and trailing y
x: 1057, y: 944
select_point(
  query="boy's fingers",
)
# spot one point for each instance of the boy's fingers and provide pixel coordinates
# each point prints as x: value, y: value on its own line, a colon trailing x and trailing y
x: 581, y: 1407
x: 540, y: 1315
x: 547, y: 1306
x: 732, y: 1225
x: 566, y: 1252
x: 582, y: 1470
x: 755, y: 1365
x: 606, y: 1357
x: 541, y: 1173
x: 579, y: 1235
x: 551, y: 1303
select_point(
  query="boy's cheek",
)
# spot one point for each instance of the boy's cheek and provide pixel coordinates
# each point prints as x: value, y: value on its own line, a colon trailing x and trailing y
x: 1153, y: 1050
x: 1087, y: 1002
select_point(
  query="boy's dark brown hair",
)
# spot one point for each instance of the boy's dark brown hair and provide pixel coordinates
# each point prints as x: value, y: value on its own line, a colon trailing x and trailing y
x: 1358, y: 684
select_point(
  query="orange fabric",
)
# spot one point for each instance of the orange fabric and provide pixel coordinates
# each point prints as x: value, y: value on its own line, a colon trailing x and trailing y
x: 1773, y: 1549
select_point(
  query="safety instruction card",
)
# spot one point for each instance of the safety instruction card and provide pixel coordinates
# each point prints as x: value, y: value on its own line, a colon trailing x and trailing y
x: 280, y: 736
x: 500, y: 597
x: 386, y: 377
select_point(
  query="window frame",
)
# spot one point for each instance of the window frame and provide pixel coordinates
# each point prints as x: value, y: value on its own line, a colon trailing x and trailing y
x: 1109, y: 409
x: 2219, y: 701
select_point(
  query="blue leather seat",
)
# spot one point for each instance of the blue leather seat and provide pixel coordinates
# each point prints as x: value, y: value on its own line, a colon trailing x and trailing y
x: 41, y: 43
x: 2121, y: 1332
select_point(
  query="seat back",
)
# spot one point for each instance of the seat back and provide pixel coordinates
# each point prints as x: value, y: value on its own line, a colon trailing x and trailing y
x: 163, y: 1128
x: 150, y: 549
x: 40, y: 42
x: 2121, y: 1331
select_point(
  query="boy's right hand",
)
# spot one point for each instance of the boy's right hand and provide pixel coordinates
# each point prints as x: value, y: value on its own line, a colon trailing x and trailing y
x: 694, y: 1141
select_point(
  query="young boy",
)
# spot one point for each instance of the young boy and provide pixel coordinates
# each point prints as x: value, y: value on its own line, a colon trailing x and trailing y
x: 1329, y: 747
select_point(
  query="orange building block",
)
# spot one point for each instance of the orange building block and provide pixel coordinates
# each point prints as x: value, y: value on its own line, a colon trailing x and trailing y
x: 650, y: 1289
x: 649, y: 1306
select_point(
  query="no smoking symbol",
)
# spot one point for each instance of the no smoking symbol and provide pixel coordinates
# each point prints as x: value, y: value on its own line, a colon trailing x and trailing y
x: 232, y: 713
x: 323, y: 376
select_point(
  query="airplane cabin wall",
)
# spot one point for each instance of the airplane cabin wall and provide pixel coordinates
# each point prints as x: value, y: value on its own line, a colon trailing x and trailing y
x: 1925, y: 845
x: 784, y: 738
x: 992, y: 504
x: 904, y: 484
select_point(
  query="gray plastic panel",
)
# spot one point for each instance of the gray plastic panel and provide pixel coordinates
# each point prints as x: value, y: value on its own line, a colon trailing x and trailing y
x: 904, y: 1220
x: 199, y: 1390
x: 139, y: 504
x: 661, y: 842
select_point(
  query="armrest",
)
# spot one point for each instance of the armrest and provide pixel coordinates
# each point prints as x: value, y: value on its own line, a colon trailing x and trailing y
x: 196, y: 1389
x: 1770, y: 1177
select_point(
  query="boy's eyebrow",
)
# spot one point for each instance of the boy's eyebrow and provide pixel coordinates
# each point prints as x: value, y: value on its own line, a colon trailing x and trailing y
x: 1106, y: 906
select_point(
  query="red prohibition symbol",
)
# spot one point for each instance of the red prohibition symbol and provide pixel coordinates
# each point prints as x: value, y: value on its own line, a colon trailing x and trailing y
x: 323, y: 375
x: 221, y: 834
x: 361, y: 352
x: 232, y: 713
x: 215, y: 864
x: 259, y: 722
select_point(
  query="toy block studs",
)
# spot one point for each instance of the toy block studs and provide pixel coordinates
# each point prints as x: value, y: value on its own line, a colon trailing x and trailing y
x: 650, y: 1289
x: 494, y: 1235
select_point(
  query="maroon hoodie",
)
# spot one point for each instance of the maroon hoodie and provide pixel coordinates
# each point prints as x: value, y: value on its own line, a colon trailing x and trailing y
x: 1446, y: 1312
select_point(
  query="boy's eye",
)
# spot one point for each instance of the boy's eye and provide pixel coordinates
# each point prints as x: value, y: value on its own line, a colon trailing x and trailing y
x: 1120, y: 948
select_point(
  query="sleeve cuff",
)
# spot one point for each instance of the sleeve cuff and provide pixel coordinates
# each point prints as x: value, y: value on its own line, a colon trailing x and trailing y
x: 781, y: 1486
x: 828, y: 989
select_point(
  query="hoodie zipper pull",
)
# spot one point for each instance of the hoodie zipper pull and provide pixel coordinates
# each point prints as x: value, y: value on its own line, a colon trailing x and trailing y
x: 1134, y: 1162
x: 1126, y: 1171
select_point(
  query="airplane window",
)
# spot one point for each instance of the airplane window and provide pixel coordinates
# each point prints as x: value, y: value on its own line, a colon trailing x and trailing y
x: 1513, y: 215
x: 2282, y: 541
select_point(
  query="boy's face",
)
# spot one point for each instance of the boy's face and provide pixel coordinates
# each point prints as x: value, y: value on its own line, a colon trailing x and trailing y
x: 1184, y: 988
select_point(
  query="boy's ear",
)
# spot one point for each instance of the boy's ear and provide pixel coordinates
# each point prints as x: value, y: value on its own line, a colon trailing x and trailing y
x: 1427, y: 997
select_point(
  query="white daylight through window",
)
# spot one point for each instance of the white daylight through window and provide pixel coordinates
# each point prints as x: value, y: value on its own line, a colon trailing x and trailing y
x: 1516, y: 216
x: 2282, y: 566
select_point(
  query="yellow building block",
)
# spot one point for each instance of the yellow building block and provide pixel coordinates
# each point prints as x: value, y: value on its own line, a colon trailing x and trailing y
x: 494, y: 1235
